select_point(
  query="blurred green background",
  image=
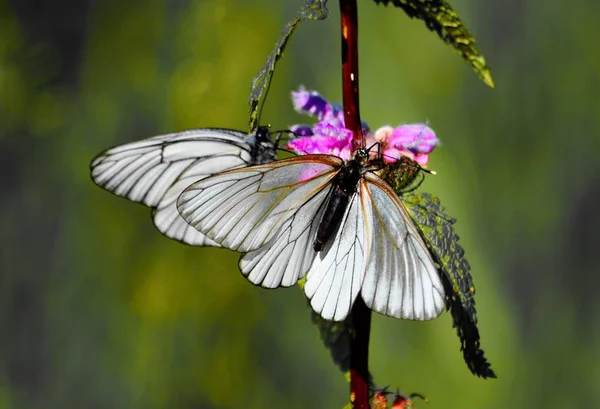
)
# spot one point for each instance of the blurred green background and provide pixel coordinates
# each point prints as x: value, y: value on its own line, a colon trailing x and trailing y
x: 98, y: 310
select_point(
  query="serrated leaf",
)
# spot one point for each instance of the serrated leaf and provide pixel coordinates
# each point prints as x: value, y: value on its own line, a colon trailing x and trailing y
x: 435, y: 227
x: 441, y: 18
x: 312, y: 10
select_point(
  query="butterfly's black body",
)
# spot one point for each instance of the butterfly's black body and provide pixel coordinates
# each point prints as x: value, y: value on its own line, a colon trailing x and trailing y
x: 344, y: 186
x: 262, y: 148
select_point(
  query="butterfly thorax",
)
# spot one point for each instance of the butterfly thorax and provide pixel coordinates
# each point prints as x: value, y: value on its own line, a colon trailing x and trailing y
x: 343, y: 188
x: 347, y: 178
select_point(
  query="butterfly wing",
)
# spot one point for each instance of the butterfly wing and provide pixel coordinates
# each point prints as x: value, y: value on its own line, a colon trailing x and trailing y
x: 288, y: 256
x: 155, y: 171
x: 334, y: 279
x: 401, y: 279
x: 244, y: 209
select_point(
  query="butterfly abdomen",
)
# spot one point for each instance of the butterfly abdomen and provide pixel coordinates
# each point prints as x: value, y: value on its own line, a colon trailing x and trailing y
x: 344, y: 186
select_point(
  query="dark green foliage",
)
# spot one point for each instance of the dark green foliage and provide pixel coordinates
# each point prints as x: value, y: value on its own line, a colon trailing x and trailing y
x: 336, y: 338
x: 441, y: 18
x: 436, y: 230
x: 311, y: 9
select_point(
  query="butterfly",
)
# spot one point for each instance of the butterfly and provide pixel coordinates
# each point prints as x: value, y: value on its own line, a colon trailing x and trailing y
x: 335, y: 222
x: 156, y: 170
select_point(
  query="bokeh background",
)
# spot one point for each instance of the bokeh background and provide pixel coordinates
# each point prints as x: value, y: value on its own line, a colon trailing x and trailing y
x: 98, y: 310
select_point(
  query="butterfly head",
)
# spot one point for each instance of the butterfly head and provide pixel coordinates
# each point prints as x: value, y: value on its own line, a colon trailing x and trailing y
x: 361, y: 155
x: 262, y: 134
x: 265, y: 143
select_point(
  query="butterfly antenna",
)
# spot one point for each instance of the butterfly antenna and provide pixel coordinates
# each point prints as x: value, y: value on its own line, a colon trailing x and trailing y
x: 288, y: 151
x: 379, y: 152
x: 281, y: 132
x: 284, y: 149
x: 429, y: 171
x: 378, y: 148
x: 395, y: 159
x: 279, y: 137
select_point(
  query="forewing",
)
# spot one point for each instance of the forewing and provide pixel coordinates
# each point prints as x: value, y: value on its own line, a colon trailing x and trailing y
x: 244, y: 209
x: 289, y: 255
x: 401, y: 280
x: 335, y: 277
x: 155, y: 171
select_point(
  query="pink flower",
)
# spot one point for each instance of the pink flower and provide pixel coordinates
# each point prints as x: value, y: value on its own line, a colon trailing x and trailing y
x: 329, y: 135
x: 417, y: 138
x: 413, y: 140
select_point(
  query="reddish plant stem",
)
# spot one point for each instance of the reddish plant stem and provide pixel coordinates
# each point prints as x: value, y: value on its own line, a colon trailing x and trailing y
x: 360, y: 315
x: 359, y: 355
x: 350, y: 69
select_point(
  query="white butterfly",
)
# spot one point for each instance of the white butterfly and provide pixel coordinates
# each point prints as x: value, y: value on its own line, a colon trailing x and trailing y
x: 279, y: 214
x: 155, y: 171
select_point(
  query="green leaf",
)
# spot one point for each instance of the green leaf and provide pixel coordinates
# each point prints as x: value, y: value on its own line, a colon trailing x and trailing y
x: 311, y: 9
x: 435, y: 227
x: 441, y: 18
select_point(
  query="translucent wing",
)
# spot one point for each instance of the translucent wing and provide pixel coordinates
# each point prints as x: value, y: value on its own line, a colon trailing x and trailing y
x: 289, y: 255
x: 155, y: 171
x: 401, y: 280
x: 244, y: 209
x: 335, y: 278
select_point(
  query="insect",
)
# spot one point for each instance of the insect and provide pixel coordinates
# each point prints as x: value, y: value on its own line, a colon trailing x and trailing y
x: 156, y: 170
x: 335, y: 222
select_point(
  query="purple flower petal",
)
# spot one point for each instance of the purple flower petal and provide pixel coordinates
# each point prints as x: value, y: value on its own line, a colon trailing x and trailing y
x: 329, y: 138
x: 302, y: 130
x: 332, y: 130
x: 311, y: 102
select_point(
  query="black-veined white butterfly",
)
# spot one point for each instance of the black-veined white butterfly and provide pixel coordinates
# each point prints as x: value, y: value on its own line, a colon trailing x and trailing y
x: 156, y: 170
x: 336, y: 222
